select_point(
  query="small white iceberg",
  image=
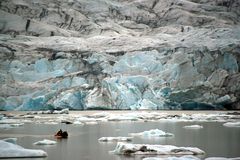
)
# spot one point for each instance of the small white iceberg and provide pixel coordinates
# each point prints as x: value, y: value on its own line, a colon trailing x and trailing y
x: 115, y: 139
x: 232, y: 124
x: 193, y: 127
x: 10, y: 150
x: 45, y: 142
x: 187, y: 157
x: 222, y: 158
x: 149, y: 149
x: 153, y: 133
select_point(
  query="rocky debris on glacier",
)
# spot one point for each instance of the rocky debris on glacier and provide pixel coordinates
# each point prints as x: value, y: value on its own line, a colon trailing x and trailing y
x: 135, y: 149
x: 45, y: 142
x: 10, y: 150
x: 119, y: 55
x: 153, y: 133
x: 115, y: 139
x: 196, y: 126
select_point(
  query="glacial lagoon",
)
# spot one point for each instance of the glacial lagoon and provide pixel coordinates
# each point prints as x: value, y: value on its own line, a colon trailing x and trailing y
x: 214, y: 138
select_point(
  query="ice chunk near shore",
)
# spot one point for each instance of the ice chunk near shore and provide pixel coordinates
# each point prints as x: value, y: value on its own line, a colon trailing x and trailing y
x: 187, y: 157
x: 128, y: 149
x: 45, y: 142
x: 10, y: 150
x: 114, y: 139
x: 232, y: 124
x: 153, y: 133
x: 193, y: 127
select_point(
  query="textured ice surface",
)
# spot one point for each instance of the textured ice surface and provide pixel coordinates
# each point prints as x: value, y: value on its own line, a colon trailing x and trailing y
x: 127, y: 148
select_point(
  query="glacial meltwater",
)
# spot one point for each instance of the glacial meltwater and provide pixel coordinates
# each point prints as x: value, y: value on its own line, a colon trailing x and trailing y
x: 214, y: 138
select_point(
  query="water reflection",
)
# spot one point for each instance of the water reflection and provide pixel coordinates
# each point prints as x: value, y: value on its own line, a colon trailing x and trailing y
x: 82, y: 144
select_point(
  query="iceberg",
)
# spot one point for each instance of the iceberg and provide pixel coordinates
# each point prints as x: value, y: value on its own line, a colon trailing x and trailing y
x: 140, y: 149
x: 193, y: 127
x: 232, y: 124
x: 188, y: 157
x: 114, y: 139
x: 153, y: 133
x: 45, y: 142
x: 222, y: 158
x: 10, y: 150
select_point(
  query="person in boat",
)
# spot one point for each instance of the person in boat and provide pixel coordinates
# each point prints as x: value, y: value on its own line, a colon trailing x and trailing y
x: 61, y: 134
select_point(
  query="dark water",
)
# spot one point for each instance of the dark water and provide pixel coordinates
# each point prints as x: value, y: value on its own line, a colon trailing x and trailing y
x: 82, y: 144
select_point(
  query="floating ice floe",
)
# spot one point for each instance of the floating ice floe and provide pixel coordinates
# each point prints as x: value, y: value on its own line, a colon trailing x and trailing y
x: 222, y: 158
x: 91, y: 123
x: 63, y: 111
x: 187, y: 157
x: 11, y: 125
x: 100, y: 115
x: 232, y: 124
x: 125, y: 117
x: 193, y: 126
x: 86, y: 119
x: 10, y: 150
x: 115, y: 139
x: 128, y: 149
x: 78, y: 123
x: 45, y: 142
x: 153, y: 133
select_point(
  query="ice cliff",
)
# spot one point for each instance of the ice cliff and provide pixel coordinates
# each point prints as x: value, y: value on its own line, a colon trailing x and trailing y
x: 119, y: 54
